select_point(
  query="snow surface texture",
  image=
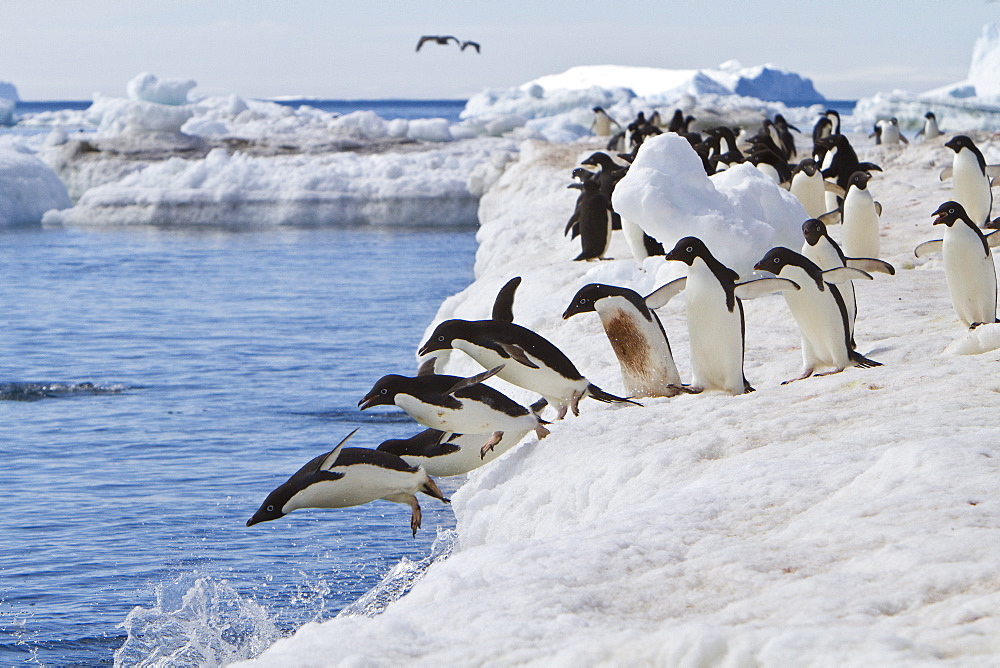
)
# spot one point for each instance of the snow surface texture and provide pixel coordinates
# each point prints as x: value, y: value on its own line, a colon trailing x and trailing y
x: 845, y: 520
x: 28, y: 188
x: 971, y: 104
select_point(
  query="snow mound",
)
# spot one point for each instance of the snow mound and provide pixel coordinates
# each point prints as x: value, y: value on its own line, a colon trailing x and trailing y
x: 147, y: 87
x: 28, y: 188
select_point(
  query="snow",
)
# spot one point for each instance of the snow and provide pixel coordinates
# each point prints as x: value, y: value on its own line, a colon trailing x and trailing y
x: 845, y: 520
x: 147, y: 87
x: 28, y: 188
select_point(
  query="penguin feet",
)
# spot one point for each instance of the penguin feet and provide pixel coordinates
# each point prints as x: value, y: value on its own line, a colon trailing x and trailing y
x: 805, y: 374
x: 494, y: 439
x: 430, y: 488
x: 415, y: 516
x: 685, y: 389
x: 561, y: 411
x: 829, y: 373
x: 541, y: 432
x: 574, y: 402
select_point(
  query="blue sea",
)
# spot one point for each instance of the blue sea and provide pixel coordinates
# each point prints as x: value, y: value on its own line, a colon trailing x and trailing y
x: 156, y: 384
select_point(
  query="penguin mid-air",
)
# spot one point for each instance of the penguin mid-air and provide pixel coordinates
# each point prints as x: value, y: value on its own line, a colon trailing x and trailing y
x: 636, y: 335
x: 458, y: 455
x: 968, y: 264
x: 715, y: 316
x: 861, y: 218
x: 819, y: 311
x: 524, y: 358
x: 930, y: 130
x: 971, y: 179
x: 349, y: 477
x: 824, y: 252
x: 453, y: 404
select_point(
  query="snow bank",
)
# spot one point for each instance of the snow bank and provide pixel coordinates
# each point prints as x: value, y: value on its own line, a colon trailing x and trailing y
x: 147, y: 87
x: 28, y: 188
x: 842, y: 520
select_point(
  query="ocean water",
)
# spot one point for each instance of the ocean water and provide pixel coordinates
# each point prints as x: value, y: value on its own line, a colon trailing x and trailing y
x: 155, y: 385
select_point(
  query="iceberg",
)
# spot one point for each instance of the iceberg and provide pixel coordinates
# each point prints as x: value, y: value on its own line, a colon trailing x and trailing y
x: 8, y: 102
x: 837, y: 520
x: 28, y: 188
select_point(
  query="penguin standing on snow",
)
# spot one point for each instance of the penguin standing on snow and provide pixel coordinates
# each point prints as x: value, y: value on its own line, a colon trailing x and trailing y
x: 861, y: 218
x: 887, y: 133
x: 453, y: 404
x: 819, y: 310
x: 602, y: 123
x: 971, y: 179
x: 715, y: 316
x: 349, y: 477
x: 930, y: 130
x: 840, y: 162
x: 810, y: 188
x: 636, y: 335
x: 968, y: 265
x: 592, y: 219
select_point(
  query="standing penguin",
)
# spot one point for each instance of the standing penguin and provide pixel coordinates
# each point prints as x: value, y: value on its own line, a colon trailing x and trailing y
x: 968, y: 265
x: 861, y: 219
x: 930, y: 130
x: 349, y: 477
x: 452, y: 404
x: 636, y: 335
x: 592, y: 219
x: 971, y: 179
x: 819, y: 311
x: 715, y: 317
x: 840, y: 162
x: 887, y: 133
x: 602, y: 123
x: 810, y: 188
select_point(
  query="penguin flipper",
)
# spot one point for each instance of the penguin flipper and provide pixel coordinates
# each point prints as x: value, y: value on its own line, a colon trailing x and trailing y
x: 663, y: 294
x: 764, y: 286
x: 331, y: 457
x: 845, y: 274
x: 503, y: 307
x: 608, y: 398
x: 426, y: 367
x: 878, y: 209
x: 870, y: 264
x: 832, y: 187
x: 518, y: 354
x: 995, y: 181
x: 869, y: 167
x: 993, y: 171
x: 831, y: 217
x: 946, y: 173
x: 993, y: 239
x: 473, y: 380
x: 933, y: 246
x: 862, y: 361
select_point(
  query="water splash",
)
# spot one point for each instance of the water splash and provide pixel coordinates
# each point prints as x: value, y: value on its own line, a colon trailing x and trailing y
x: 401, y: 578
x: 39, y: 391
x: 201, y: 623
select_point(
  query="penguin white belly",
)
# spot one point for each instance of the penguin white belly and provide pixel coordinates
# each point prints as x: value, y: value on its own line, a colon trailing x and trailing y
x: 825, y: 256
x: 715, y: 333
x: 972, y: 189
x: 811, y: 193
x: 861, y: 226
x: 472, y: 418
x: 890, y: 134
x: 820, y: 322
x: 602, y: 126
x: 555, y: 387
x: 971, y: 276
x: 647, y: 364
x: 634, y: 236
x: 362, y: 483
x: 770, y: 172
x: 468, y: 457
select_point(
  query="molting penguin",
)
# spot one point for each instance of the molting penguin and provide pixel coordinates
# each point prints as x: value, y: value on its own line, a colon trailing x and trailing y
x: 861, y: 219
x: 524, y: 358
x: 453, y: 404
x: 715, y: 316
x: 968, y: 265
x: 819, y: 310
x: 972, y: 182
x: 636, y: 335
x: 458, y: 455
x: 349, y: 477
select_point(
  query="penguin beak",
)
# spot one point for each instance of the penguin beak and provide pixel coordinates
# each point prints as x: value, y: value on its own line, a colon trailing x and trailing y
x: 939, y: 215
x: 369, y: 400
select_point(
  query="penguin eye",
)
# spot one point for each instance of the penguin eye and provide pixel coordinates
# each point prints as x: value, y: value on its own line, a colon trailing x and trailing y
x: 270, y: 509
x: 384, y: 391
x: 690, y: 249
x: 583, y: 301
x: 440, y: 338
x: 776, y: 260
x: 951, y: 211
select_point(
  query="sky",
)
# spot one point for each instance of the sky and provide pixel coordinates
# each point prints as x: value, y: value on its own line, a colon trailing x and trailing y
x: 70, y: 49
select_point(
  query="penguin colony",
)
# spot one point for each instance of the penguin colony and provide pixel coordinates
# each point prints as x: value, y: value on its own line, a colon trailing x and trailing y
x: 469, y: 423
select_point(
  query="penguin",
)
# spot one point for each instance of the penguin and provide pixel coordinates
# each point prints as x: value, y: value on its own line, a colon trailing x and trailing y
x: 437, y: 39
x: 861, y: 219
x: 728, y: 152
x: 453, y: 404
x: 971, y: 179
x: 887, y: 133
x: 349, y: 477
x: 840, y: 162
x: 810, y: 188
x: 824, y: 252
x: 930, y: 130
x: 636, y: 335
x: 608, y: 175
x: 601, y: 125
x: 592, y: 219
x: 715, y: 317
x: 782, y: 129
x: 460, y: 454
x: 819, y: 310
x: 968, y: 265
x: 522, y: 357
x: 773, y: 165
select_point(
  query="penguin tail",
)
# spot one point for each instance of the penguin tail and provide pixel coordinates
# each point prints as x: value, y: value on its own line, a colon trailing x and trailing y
x: 539, y: 406
x: 607, y: 397
x: 863, y: 361
x: 430, y: 488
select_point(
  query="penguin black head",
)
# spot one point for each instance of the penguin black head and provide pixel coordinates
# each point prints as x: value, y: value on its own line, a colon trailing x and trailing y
x: 813, y: 230
x: 930, y: 115
x: 587, y: 297
x: 949, y: 212
x: 808, y: 166
x: 384, y: 392
x: 779, y: 257
x: 600, y: 159
x: 583, y: 174
x: 442, y: 337
x: 860, y: 180
x: 687, y: 249
x: 271, y: 509
x: 958, y: 142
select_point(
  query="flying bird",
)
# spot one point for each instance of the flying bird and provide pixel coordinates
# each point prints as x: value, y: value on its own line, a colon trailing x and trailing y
x: 438, y: 39
x: 474, y: 45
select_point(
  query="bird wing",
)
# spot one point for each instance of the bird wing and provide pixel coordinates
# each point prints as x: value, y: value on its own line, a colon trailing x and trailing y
x: 422, y: 40
x: 870, y: 264
x: 663, y: 294
x: 845, y: 274
x: 760, y: 287
x: 473, y: 380
x: 945, y: 173
x: 518, y: 354
x: 503, y: 306
x: 928, y: 247
x: 331, y: 457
